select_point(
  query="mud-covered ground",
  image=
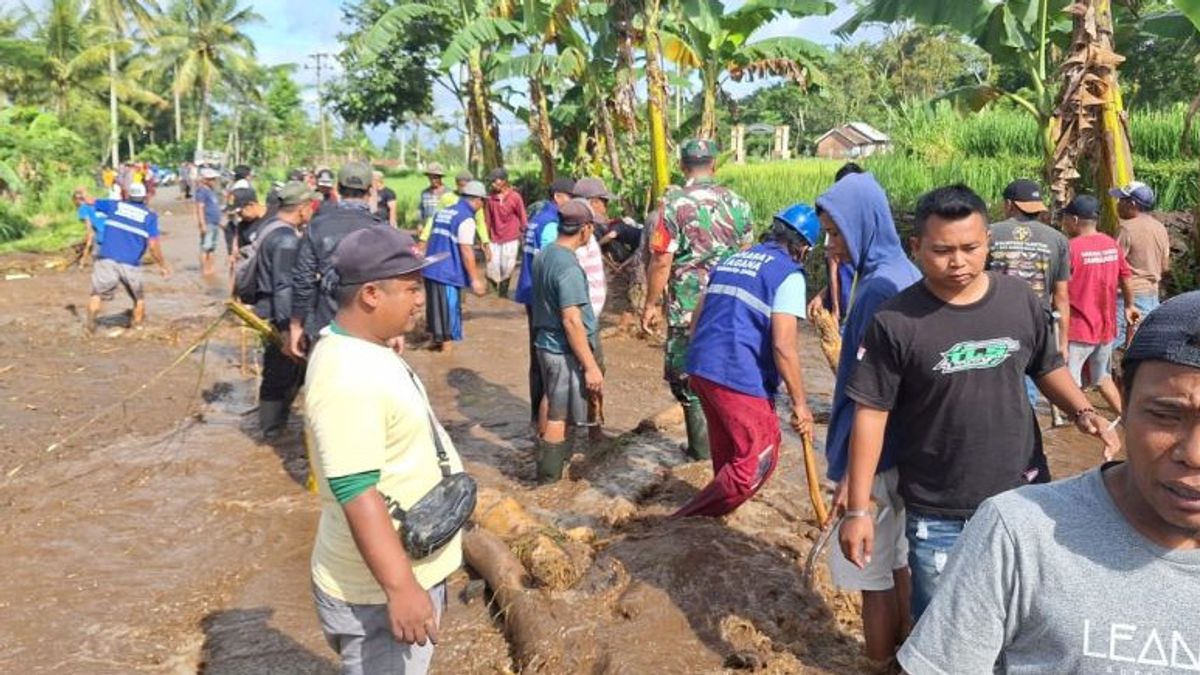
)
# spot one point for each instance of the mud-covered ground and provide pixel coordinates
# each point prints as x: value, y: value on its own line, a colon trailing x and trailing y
x: 147, y: 529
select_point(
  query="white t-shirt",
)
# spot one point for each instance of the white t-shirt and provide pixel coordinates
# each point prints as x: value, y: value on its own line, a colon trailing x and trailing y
x: 466, y: 232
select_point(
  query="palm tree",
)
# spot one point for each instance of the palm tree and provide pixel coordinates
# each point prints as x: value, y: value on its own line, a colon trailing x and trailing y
x: 211, y: 47
x: 114, y: 16
x: 715, y: 42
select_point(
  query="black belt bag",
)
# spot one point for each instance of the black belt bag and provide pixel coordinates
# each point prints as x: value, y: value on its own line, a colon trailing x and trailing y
x: 433, y: 521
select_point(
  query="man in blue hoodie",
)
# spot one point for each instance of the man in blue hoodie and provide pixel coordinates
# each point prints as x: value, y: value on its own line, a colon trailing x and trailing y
x: 859, y: 229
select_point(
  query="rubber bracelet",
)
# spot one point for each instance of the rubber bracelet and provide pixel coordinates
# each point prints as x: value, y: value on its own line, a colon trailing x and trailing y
x: 857, y: 513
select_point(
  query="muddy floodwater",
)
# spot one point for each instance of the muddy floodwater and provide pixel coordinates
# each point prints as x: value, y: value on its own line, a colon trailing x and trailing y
x: 146, y: 528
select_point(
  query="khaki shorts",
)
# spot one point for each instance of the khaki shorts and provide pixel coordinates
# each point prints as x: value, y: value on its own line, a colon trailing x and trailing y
x: 890, y: 552
x: 108, y: 274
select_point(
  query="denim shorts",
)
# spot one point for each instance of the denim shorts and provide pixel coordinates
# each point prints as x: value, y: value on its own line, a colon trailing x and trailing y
x: 931, y: 538
x: 208, y: 240
x: 1145, y: 305
x: 1098, y: 359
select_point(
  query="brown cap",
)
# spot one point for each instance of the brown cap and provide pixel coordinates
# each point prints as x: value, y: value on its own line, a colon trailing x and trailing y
x: 573, y: 215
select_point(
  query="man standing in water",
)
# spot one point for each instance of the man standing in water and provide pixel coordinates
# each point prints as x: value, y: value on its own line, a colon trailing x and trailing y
x: 130, y: 229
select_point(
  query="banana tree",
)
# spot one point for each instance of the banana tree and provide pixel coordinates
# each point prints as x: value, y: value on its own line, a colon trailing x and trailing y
x: 715, y: 42
x: 1017, y: 33
x: 656, y: 98
x: 479, y: 27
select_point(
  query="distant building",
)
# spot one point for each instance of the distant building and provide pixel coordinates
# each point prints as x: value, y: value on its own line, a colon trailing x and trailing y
x: 851, y: 141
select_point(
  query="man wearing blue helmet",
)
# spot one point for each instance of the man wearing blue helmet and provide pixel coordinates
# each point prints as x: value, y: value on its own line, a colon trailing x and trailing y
x: 744, y: 341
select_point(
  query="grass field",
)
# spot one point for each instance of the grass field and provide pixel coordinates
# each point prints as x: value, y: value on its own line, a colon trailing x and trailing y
x: 408, y: 187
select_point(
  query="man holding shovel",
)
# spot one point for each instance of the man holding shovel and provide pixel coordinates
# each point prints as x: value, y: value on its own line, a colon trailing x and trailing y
x: 745, y: 339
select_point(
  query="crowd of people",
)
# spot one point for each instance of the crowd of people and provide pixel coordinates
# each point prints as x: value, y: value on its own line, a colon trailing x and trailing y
x: 968, y: 558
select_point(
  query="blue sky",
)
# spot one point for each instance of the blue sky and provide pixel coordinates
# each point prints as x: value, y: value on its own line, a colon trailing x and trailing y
x: 295, y: 29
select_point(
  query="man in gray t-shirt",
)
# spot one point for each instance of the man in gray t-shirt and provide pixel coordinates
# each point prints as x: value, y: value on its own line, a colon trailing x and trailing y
x: 1095, y: 574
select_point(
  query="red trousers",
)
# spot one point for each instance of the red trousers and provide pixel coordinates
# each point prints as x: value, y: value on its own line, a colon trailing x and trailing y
x: 744, y: 438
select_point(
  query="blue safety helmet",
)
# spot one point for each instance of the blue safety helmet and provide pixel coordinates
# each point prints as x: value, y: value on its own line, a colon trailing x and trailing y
x: 803, y: 219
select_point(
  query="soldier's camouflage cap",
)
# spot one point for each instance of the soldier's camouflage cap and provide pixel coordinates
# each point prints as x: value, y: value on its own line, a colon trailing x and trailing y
x: 698, y: 150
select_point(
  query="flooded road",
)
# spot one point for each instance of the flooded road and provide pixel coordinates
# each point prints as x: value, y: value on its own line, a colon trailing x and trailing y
x: 149, y: 530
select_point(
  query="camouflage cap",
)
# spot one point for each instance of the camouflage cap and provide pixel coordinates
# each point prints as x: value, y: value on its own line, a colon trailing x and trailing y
x: 698, y: 150
x: 294, y: 193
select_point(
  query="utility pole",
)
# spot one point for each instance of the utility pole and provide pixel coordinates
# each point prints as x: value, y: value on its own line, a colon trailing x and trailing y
x: 319, y: 60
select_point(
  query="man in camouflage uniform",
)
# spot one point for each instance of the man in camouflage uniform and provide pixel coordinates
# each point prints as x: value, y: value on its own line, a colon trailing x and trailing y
x: 702, y: 223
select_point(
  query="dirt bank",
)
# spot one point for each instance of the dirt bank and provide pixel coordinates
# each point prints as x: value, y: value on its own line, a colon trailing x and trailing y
x: 164, y: 537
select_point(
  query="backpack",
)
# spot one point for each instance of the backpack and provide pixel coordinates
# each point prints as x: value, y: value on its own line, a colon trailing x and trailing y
x: 245, y: 269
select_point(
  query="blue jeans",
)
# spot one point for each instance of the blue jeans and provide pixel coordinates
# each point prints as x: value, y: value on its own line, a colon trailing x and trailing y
x: 1144, y: 303
x: 1031, y: 391
x: 930, y: 540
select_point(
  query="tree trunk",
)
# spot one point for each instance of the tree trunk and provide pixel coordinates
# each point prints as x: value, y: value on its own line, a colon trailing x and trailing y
x: 656, y: 103
x: 624, y: 97
x: 114, y: 138
x: 489, y: 135
x: 708, y: 119
x: 403, y: 149
x: 178, y: 116
x: 201, y: 120
x: 129, y: 137
x: 610, y: 143
x: 539, y: 117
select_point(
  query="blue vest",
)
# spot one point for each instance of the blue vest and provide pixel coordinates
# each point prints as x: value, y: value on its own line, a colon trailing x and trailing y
x: 444, y: 239
x: 732, y: 343
x: 533, y: 243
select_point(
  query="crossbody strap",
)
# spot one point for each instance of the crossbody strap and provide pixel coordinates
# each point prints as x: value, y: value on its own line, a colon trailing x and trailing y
x: 443, y: 457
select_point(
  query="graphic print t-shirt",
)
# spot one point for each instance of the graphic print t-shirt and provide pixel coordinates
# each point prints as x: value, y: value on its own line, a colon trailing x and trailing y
x: 953, y: 377
x: 1031, y: 251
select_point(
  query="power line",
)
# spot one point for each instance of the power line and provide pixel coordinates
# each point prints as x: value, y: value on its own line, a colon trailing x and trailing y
x: 320, y: 58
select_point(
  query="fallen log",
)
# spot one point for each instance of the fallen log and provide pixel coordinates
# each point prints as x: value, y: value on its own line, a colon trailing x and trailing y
x: 551, y: 557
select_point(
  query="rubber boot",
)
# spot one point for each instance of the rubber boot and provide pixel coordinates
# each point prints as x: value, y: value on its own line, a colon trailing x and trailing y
x: 697, y: 430
x: 550, y: 460
x: 504, y: 289
x: 272, y: 418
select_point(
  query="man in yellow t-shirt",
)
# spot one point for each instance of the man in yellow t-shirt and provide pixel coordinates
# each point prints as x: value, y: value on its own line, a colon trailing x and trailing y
x: 371, y: 431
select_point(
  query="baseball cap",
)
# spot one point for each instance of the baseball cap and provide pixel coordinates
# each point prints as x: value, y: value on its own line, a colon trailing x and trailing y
x: 698, y: 150
x: 473, y: 188
x: 324, y: 178
x: 1138, y: 192
x: 1026, y: 194
x: 137, y: 191
x: 574, y: 215
x: 1086, y: 207
x: 296, y: 174
x: 563, y: 185
x: 296, y: 192
x: 375, y: 253
x: 241, y: 171
x: 1170, y: 333
x: 207, y: 172
x: 243, y: 197
x: 355, y: 175
x: 592, y: 188
x: 434, y: 169
x: 497, y: 174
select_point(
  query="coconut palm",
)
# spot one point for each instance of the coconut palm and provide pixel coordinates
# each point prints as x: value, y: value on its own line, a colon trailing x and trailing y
x: 115, y: 16
x: 715, y: 42
x: 211, y: 47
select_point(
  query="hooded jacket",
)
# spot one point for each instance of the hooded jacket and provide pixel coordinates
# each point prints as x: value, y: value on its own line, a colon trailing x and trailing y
x: 860, y: 208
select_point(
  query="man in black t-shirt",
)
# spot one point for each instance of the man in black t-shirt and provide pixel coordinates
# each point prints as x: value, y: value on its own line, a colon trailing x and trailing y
x: 385, y: 200
x: 948, y: 357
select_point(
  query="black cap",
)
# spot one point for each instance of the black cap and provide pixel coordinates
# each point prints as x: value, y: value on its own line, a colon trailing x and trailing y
x: 1170, y: 333
x: 1026, y: 194
x: 241, y: 171
x: 562, y: 185
x: 573, y: 215
x: 497, y: 174
x: 243, y: 197
x: 1084, y: 207
x: 378, y: 252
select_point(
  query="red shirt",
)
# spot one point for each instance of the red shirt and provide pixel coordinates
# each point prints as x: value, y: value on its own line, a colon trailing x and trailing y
x: 505, y: 216
x: 1097, y: 266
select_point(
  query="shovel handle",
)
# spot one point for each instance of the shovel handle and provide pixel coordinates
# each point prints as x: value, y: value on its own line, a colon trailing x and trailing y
x: 814, y: 482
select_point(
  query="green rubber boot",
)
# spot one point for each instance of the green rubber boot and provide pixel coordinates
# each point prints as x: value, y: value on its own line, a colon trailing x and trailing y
x: 551, y: 457
x: 697, y: 430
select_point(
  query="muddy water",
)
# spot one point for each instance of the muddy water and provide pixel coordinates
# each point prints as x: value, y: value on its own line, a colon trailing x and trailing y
x: 166, y: 538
